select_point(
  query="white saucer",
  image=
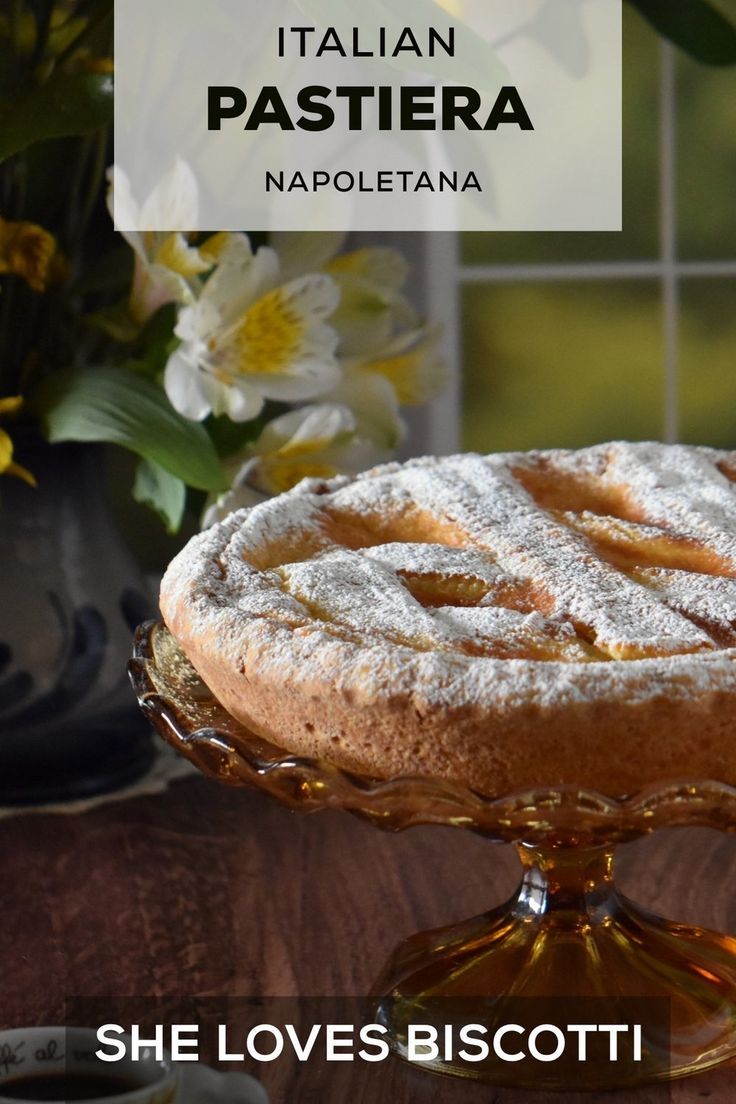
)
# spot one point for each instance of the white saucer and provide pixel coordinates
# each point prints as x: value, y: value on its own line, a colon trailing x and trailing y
x: 202, y: 1085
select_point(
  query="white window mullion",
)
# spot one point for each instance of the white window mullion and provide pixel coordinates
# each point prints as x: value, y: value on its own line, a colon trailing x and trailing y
x: 435, y: 290
x: 443, y: 299
x: 669, y: 242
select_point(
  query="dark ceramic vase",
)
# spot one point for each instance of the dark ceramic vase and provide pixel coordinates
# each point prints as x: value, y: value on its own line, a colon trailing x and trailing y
x: 70, y: 596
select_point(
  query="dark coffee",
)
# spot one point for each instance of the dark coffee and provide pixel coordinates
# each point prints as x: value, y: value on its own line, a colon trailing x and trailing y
x: 63, y: 1087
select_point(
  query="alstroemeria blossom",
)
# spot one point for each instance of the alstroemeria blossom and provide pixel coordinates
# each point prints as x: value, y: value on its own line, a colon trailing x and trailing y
x: 314, y: 442
x: 166, y: 265
x: 248, y: 338
x: 371, y: 280
x: 412, y: 362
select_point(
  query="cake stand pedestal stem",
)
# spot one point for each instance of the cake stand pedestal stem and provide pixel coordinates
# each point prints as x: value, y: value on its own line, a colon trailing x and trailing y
x: 566, y: 949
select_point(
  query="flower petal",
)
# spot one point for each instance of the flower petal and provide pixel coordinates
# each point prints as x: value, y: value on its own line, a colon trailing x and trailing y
x: 185, y: 387
x: 413, y: 364
x: 364, y: 319
x: 124, y: 210
x: 195, y: 324
x: 240, y: 278
x: 21, y: 473
x: 372, y: 306
x: 6, y: 451
x: 306, y: 430
x: 384, y: 268
x: 7, y: 465
x: 11, y: 405
x: 373, y: 400
x: 174, y: 202
x: 153, y: 287
x: 301, y: 253
x: 305, y: 379
x: 240, y: 401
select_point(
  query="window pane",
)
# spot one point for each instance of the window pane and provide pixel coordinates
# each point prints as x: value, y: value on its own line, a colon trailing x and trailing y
x: 561, y: 365
x: 708, y: 363
x: 640, y: 238
x: 707, y: 157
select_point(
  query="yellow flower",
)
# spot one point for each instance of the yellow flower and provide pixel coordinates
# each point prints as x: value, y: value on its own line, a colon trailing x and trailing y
x: 7, y: 466
x: 29, y: 251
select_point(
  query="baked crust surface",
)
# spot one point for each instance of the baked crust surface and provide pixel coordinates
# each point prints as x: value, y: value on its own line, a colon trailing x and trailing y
x: 512, y: 620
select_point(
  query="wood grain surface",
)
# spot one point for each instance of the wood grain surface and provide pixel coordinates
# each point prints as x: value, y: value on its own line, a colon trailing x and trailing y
x: 215, y: 894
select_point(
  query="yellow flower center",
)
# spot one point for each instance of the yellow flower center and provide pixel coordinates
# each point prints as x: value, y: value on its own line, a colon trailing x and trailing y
x: 266, y: 339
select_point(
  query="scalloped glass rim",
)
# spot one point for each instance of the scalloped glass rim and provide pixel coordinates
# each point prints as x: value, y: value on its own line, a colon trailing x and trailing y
x: 187, y: 715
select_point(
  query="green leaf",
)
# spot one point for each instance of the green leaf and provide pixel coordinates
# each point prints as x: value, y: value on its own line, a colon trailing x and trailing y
x: 123, y: 408
x: 9, y: 67
x: 162, y: 491
x: 157, y: 339
x: 110, y: 272
x: 67, y: 104
x: 696, y: 26
x: 230, y: 438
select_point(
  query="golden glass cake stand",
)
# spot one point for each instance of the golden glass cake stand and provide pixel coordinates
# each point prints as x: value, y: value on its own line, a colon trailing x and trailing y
x: 567, y: 933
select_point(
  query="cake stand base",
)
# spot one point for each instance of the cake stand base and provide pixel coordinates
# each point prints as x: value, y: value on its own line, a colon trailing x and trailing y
x: 566, y: 950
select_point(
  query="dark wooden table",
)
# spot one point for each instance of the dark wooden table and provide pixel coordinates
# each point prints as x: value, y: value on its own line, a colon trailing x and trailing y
x: 215, y: 893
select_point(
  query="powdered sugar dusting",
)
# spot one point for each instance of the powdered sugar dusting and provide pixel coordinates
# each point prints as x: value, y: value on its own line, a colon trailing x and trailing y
x: 455, y: 577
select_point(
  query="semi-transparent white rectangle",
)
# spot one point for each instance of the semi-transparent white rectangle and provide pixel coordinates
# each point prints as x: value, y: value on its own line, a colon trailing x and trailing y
x: 562, y: 58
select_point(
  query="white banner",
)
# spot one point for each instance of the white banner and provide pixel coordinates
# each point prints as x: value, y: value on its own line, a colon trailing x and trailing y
x: 373, y: 114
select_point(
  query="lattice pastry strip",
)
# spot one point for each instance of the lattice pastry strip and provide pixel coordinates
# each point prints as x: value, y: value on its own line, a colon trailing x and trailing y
x: 683, y: 489
x: 709, y: 601
x: 627, y: 543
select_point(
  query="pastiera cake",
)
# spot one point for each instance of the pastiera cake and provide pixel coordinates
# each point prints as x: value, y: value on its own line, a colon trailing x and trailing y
x: 506, y: 621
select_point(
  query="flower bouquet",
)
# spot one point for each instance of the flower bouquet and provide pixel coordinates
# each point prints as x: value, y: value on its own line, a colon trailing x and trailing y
x: 230, y: 367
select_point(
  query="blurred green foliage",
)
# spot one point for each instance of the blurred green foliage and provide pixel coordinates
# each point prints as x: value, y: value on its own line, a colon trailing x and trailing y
x: 697, y: 26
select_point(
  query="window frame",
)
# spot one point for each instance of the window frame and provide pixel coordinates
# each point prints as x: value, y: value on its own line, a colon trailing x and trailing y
x: 442, y: 276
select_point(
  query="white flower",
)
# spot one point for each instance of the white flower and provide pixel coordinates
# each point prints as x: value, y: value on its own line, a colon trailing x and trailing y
x: 375, y: 408
x: 373, y: 306
x: 412, y: 362
x: 378, y: 328
x: 166, y: 266
x: 315, y: 442
x: 247, y: 338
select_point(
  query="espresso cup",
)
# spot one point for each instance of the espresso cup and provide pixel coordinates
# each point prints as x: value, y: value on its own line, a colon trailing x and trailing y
x: 60, y: 1064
